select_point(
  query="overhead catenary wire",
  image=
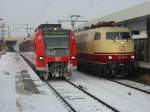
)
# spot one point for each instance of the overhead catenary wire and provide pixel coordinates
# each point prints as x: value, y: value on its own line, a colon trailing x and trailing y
x: 18, y: 28
x: 97, y: 4
x: 91, y: 1
x: 72, y: 10
x: 45, y: 7
x: 44, y: 3
x: 89, y: 6
x: 73, y: 20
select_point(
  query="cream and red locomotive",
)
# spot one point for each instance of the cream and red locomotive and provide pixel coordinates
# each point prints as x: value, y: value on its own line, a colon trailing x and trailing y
x: 51, y: 50
x: 106, y: 48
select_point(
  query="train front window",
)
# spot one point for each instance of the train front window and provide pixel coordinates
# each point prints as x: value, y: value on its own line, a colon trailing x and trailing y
x: 56, y: 43
x: 117, y: 35
x: 97, y: 36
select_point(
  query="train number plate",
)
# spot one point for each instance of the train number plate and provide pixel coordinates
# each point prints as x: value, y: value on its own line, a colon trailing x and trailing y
x: 122, y: 57
x: 121, y: 64
x: 57, y: 59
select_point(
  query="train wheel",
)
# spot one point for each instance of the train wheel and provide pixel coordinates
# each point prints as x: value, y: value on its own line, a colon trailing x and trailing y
x: 106, y: 73
x: 121, y: 73
x: 50, y: 76
x: 100, y: 72
x: 45, y: 76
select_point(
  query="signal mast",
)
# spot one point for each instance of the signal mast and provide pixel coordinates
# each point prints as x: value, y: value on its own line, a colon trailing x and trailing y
x: 73, y: 20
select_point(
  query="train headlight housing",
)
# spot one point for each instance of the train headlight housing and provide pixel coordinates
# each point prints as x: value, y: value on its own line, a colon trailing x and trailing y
x: 132, y: 57
x: 110, y: 57
x: 41, y: 58
x: 73, y: 57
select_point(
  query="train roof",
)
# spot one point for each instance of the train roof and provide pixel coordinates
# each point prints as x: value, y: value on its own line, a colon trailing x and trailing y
x: 104, y: 28
x: 100, y: 24
x: 45, y: 26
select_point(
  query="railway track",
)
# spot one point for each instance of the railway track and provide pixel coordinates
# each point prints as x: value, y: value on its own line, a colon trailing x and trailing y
x: 78, y: 99
x: 138, y: 81
x: 132, y: 84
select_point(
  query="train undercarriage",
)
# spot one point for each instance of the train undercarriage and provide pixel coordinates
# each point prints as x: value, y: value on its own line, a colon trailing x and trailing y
x: 109, y: 70
x: 119, y: 70
x: 56, y: 70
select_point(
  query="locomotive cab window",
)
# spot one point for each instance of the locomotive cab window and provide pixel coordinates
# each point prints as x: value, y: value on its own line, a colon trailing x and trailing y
x: 117, y: 35
x: 97, y: 36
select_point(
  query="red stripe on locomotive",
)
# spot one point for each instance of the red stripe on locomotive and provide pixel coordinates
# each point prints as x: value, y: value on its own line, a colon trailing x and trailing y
x: 104, y: 58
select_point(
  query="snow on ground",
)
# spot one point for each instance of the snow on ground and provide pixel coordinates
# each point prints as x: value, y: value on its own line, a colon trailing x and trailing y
x: 22, y: 91
x: 120, y: 97
x: 7, y: 86
x: 80, y: 101
x: 135, y: 84
x: 16, y: 95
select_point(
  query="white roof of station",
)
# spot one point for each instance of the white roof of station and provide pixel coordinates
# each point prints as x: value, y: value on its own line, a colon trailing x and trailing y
x: 126, y: 14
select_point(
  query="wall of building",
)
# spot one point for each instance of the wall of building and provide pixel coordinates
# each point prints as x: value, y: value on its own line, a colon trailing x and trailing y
x: 139, y: 24
x: 10, y: 45
x: 148, y: 39
x: 140, y: 36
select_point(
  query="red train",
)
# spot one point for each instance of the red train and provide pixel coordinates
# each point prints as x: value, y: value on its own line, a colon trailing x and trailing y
x: 51, y: 50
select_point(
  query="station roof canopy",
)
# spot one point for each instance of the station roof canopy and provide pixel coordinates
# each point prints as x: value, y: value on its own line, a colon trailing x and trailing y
x: 127, y: 14
x: 10, y: 39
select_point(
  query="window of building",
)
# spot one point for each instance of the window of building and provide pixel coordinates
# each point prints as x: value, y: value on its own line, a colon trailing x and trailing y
x: 136, y: 32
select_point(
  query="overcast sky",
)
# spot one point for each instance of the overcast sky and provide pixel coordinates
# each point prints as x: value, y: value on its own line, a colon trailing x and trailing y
x: 18, y: 13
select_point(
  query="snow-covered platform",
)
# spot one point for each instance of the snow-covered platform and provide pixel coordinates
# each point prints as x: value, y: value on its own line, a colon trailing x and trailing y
x: 144, y: 65
x: 22, y: 91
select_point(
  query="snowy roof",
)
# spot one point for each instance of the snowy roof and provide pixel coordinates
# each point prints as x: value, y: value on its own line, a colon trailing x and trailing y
x: 10, y: 39
x: 126, y: 14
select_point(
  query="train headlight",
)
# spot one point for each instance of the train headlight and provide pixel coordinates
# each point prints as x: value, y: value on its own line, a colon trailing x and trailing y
x: 109, y: 57
x: 73, y: 57
x: 41, y: 58
x: 132, y: 57
x: 55, y: 29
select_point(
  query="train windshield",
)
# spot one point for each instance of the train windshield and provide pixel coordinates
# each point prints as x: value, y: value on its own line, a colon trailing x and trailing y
x: 117, y: 35
x: 57, y: 43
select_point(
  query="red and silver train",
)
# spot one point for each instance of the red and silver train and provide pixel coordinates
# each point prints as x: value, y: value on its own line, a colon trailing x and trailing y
x: 107, y: 49
x: 51, y: 50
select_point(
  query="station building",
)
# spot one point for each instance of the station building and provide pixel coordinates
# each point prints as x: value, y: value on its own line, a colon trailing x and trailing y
x: 1, y: 45
x: 136, y: 18
x: 8, y: 43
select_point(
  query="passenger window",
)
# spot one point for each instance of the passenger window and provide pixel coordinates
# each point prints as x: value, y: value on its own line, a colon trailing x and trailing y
x: 97, y: 36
